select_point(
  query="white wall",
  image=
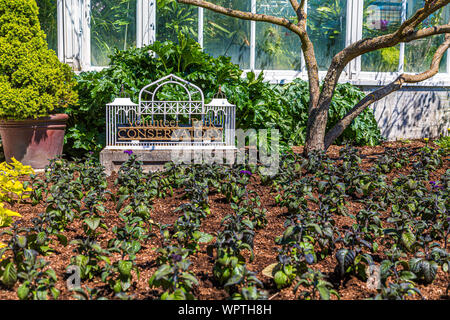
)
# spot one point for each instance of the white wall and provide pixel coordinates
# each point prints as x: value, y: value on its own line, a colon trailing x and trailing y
x: 413, y: 113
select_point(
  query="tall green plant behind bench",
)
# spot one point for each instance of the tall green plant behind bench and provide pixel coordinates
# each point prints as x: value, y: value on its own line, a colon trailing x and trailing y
x: 259, y: 104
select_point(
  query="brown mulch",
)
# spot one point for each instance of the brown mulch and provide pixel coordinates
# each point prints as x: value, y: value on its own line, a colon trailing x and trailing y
x: 264, y: 245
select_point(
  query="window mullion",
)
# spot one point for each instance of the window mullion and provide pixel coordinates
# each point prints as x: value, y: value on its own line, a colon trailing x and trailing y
x: 348, y: 34
x: 401, y: 63
x: 73, y: 33
x: 60, y: 29
x: 85, y: 33
x: 448, y: 62
x: 253, y: 38
x: 139, y: 24
x: 356, y: 30
x: 200, y: 26
x: 70, y: 32
x: 145, y: 22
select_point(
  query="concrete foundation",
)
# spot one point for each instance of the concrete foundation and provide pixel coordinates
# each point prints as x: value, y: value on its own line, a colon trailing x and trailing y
x: 154, y: 160
x: 413, y: 112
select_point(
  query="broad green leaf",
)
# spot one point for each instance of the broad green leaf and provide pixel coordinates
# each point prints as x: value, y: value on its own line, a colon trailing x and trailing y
x: 408, y: 239
x: 9, y: 277
x: 23, y: 291
x: 125, y: 267
x: 205, y: 237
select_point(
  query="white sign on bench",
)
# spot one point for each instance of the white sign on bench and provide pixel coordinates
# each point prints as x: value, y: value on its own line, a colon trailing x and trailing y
x: 159, y: 124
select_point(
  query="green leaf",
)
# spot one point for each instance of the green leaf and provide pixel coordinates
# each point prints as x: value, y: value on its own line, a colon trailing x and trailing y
x: 41, y: 293
x: 40, y: 238
x: 122, y: 198
x: 55, y: 292
x: 324, y: 293
x: 190, y: 277
x: 23, y: 291
x: 407, y: 275
x: 117, y: 287
x: 125, y: 268
x: 234, y: 279
x: 9, y: 277
x: 52, y: 274
x: 408, y: 239
x: 345, y: 259
x: 268, y: 271
x: 163, y: 271
x: 179, y: 295
x: 22, y: 241
x: 429, y: 269
x: 205, y: 237
x: 280, y: 279
x: 92, y: 223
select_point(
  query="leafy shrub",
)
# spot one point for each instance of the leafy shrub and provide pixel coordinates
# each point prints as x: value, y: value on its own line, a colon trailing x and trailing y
x: 259, y: 104
x: 444, y: 143
x: 11, y: 189
x: 33, y: 83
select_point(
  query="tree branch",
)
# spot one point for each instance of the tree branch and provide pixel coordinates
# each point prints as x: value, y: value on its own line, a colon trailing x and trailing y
x: 246, y: 15
x: 405, y: 33
x: 299, y: 10
x: 302, y: 4
x: 427, y: 32
x: 339, y: 128
x: 295, y: 5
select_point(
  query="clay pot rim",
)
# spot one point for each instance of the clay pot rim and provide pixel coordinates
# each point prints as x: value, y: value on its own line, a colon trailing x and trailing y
x: 58, y: 117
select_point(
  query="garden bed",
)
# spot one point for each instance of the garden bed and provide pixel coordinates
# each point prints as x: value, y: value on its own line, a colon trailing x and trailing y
x: 349, y: 286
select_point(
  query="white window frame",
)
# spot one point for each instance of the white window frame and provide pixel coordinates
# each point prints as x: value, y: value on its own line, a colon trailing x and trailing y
x: 74, y: 43
x: 381, y: 78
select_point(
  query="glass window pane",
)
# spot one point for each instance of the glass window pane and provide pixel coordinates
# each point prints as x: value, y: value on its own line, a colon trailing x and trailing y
x: 326, y: 28
x: 276, y: 47
x: 381, y: 17
x: 113, y: 25
x: 172, y: 17
x: 227, y: 36
x: 48, y: 20
x: 419, y: 53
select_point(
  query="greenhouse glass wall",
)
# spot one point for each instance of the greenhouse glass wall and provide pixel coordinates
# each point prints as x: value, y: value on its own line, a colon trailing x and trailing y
x: 85, y: 32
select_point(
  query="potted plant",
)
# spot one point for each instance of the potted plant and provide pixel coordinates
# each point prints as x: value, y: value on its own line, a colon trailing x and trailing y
x: 34, y: 87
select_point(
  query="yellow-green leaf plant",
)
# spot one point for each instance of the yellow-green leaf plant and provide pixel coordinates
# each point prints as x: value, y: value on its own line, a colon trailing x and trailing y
x: 33, y: 82
x: 11, y: 189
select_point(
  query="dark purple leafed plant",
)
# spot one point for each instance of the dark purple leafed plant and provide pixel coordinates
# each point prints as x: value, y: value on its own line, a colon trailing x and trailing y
x: 434, y: 185
x: 245, y: 172
x: 176, y: 257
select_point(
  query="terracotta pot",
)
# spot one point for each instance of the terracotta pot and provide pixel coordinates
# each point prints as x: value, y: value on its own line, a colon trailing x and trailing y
x: 34, y: 142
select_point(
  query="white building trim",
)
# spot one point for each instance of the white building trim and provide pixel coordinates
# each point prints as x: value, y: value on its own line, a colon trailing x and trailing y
x: 145, y: 22
x: 74, y: 42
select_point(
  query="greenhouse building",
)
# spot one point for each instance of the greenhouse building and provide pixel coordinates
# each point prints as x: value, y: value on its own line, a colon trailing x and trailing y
x: 85, y: 32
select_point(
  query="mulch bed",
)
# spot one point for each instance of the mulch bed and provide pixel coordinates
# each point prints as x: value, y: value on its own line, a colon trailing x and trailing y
x: 264, y: 245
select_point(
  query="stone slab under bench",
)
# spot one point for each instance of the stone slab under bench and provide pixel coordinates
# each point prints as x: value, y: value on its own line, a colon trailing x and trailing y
x: 154, y: 160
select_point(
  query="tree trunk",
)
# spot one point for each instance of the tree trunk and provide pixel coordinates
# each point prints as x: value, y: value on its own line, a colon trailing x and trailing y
x: 315, y: 131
